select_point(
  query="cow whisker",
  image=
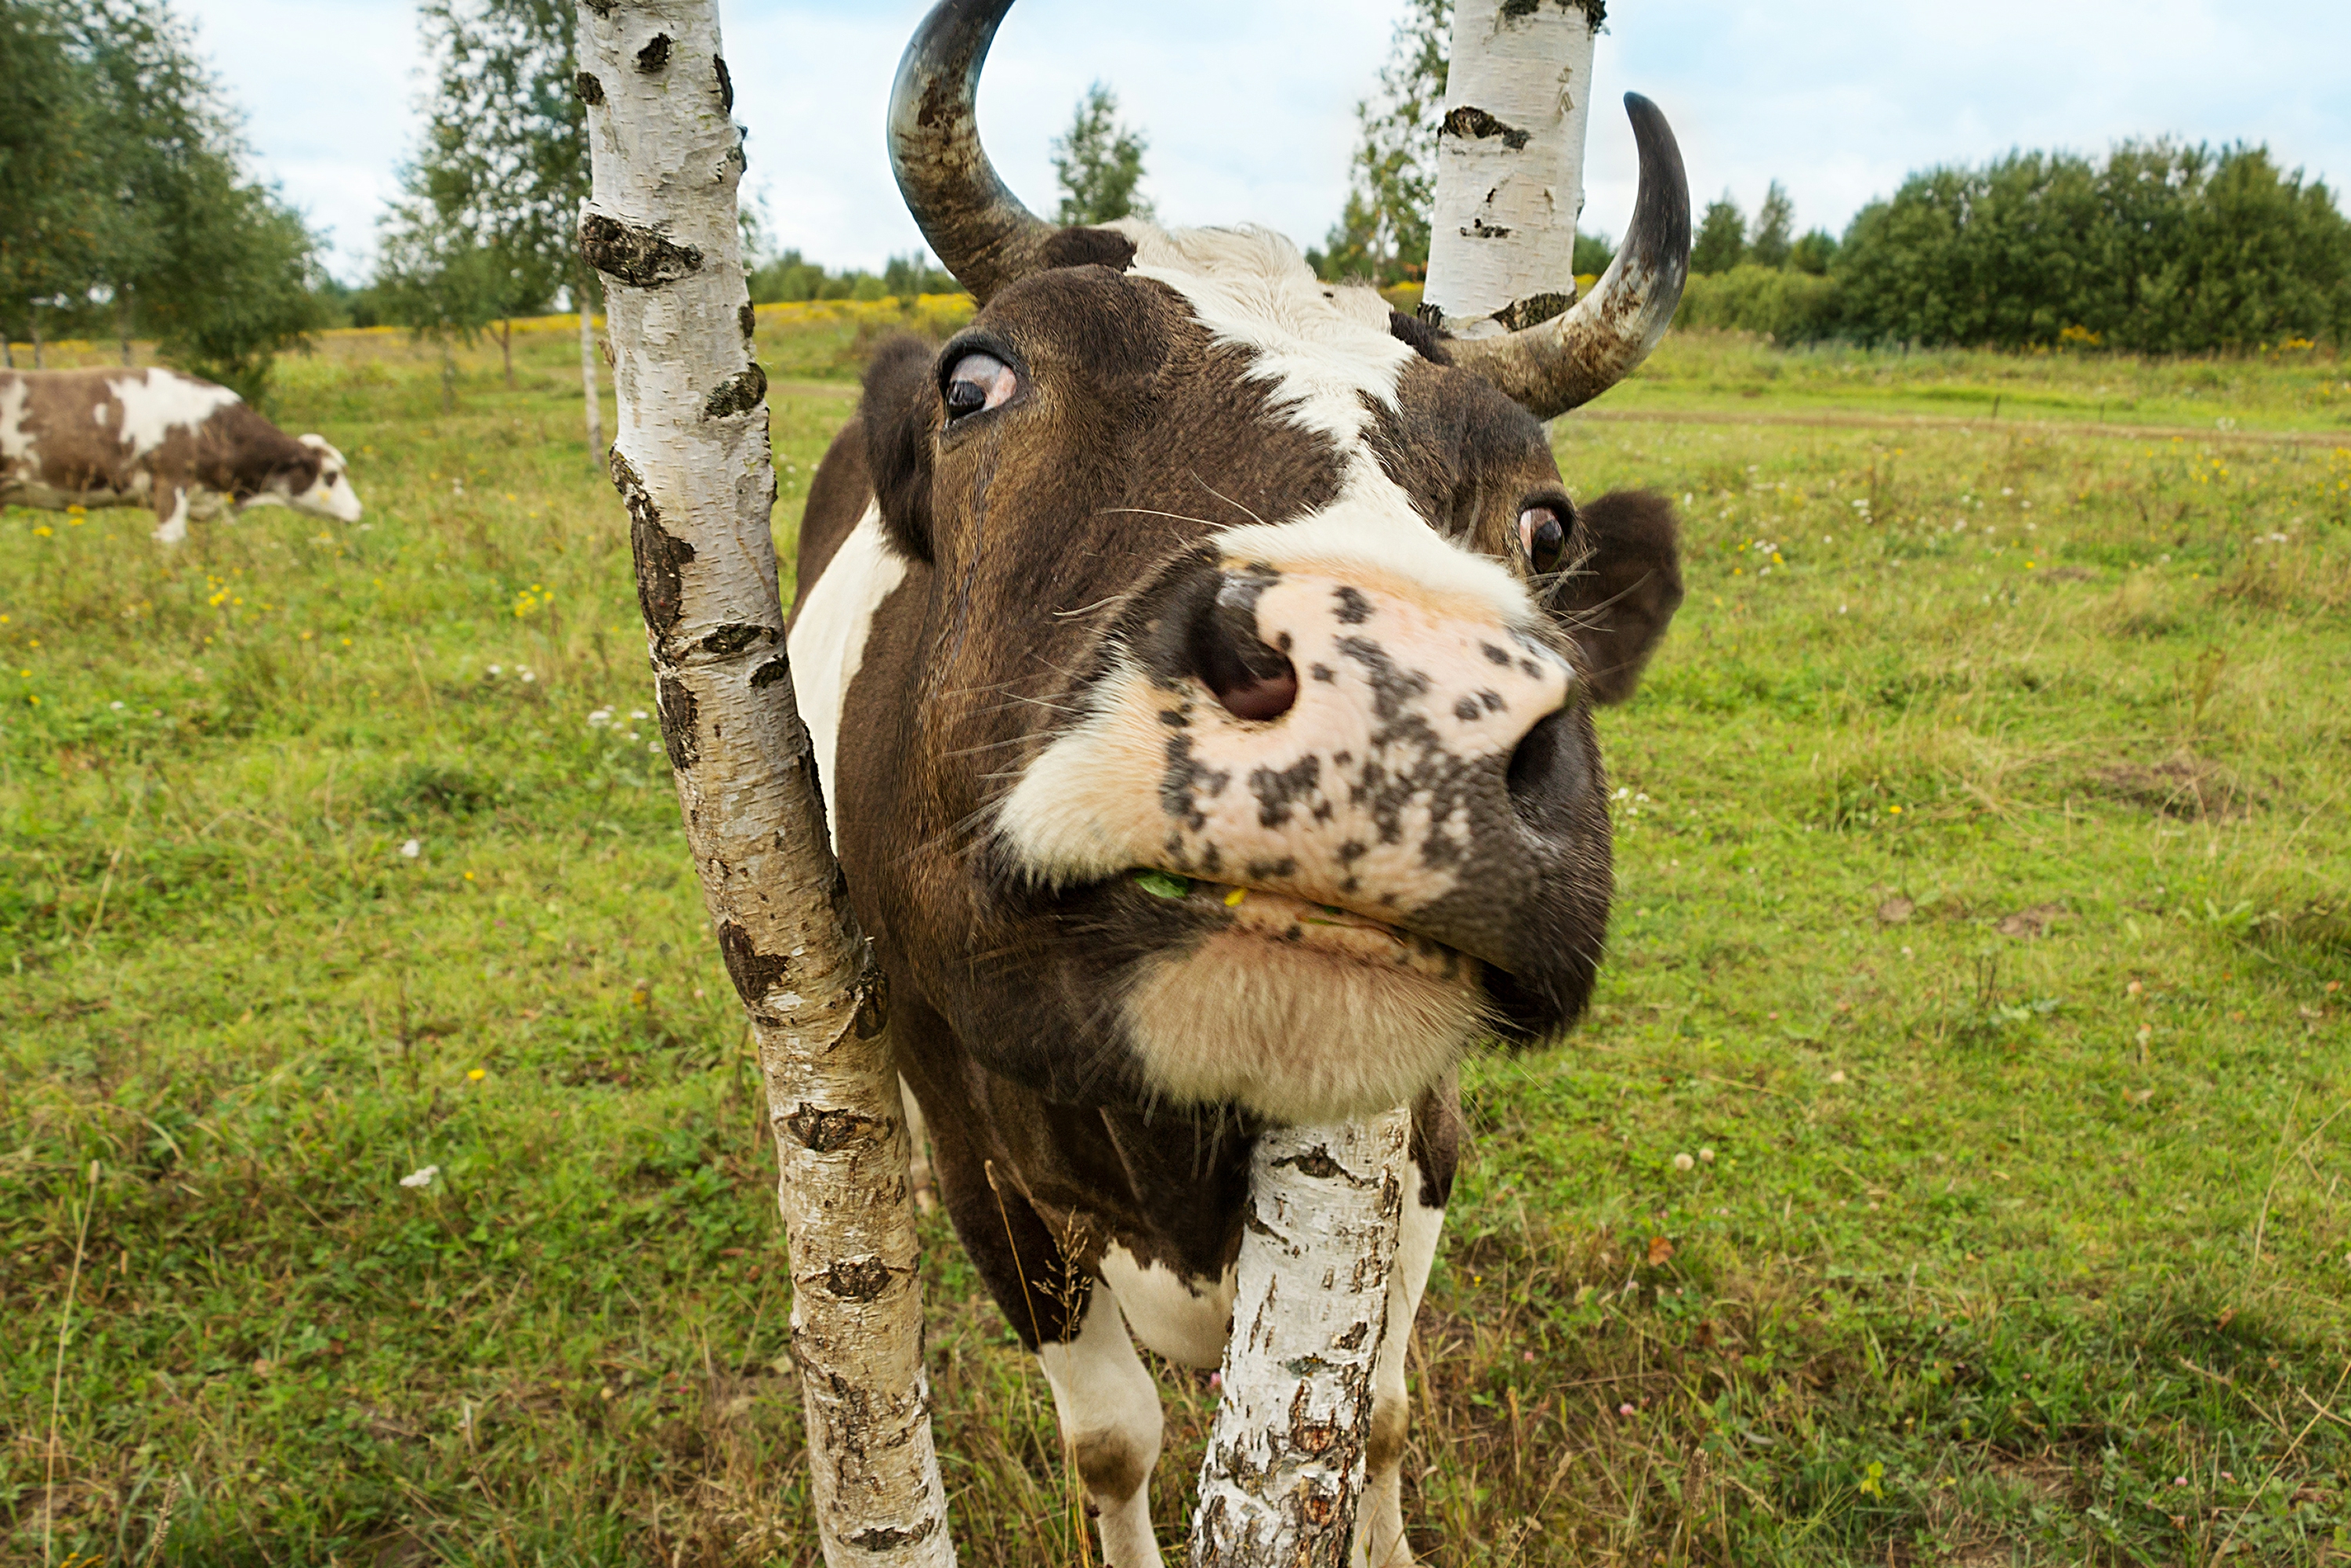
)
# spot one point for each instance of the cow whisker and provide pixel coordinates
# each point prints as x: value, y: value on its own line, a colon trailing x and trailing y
x: 1227, y: 500
x: 1154, y: 512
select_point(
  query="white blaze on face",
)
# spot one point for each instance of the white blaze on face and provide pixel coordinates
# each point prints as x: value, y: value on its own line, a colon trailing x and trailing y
x: 330, y: 495
x: 156, y: 403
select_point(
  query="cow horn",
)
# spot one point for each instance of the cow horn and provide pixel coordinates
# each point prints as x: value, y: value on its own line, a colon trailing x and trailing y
x: 977, y: 229
x: 1568, y: 361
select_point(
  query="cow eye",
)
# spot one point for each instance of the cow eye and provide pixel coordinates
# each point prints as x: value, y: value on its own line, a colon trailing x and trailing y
x: 1542, y: 534
x: 979, y: 381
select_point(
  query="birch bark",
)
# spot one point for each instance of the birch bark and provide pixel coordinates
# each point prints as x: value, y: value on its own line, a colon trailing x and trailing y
x: 691, y: 460
x: 1509, y: 165
x: 1284, y: 1473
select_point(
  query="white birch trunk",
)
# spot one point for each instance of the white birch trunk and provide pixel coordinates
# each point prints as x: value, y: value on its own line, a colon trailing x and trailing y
x: 1510, y: 166
x: 1284, y: 1474
x: 585, y: 302
x: 691, y: 460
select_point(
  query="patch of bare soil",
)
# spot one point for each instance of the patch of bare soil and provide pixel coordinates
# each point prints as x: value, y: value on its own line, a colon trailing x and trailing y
x: 2181, y: 786
x: 2034, y: 922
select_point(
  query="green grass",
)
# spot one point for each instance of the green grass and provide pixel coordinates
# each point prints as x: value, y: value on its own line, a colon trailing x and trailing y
x: 2289, y: 390
x: 2011, y: 1231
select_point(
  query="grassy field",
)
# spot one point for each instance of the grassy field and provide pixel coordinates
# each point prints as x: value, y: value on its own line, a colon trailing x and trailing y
x: 1950, y: 1173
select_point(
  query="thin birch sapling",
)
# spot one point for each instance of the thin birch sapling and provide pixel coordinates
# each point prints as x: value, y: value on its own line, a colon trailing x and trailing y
x: 691, y: 460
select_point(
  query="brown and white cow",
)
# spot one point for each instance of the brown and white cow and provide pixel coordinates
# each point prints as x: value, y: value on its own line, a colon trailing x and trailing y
x: 1199, y: 659
x: 157, y: 438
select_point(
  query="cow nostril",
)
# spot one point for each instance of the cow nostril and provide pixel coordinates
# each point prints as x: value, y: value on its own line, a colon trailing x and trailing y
x: 1252, y: 679
x: 1535, y: 764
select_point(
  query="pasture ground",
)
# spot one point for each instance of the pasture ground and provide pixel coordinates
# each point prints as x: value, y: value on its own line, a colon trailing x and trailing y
x: 1950, y: 1173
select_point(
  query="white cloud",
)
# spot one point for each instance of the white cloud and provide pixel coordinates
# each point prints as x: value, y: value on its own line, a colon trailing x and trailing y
x: 328, y: 89
x: 1248, y: 103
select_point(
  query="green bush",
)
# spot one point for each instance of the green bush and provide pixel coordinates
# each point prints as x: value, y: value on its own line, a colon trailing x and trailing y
x: 2161, y: 248
x: 1780, y: 304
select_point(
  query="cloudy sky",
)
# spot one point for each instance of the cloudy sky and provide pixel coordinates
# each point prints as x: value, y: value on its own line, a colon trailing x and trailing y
x: 1247, y: 103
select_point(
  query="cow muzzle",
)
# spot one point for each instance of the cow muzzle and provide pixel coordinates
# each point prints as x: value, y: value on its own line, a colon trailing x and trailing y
x: 1351, y: 742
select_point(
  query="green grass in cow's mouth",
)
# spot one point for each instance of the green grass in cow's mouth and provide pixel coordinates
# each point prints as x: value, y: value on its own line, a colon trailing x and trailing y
x: 1955, y: 1183
x: 1295, y: 916
x: 1178, y: 888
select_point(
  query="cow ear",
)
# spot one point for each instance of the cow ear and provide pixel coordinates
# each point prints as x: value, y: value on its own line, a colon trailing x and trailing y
x: 1619, y: 601
x: 899, y: 414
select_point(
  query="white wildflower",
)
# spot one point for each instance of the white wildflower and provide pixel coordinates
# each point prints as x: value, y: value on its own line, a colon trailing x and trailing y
x: 412, y: 849
x: 421, y: 1178
x: 1683, y: 1163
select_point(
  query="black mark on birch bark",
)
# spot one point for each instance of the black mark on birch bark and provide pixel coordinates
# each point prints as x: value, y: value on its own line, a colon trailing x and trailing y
x: 660, y: 556
x: 873, y: 999
x: 654, y: 55
x: 1306, y: 1433
x: 754, y: 973
x: 1476, y: 124
x: 731, y: 639
x: 1534, y: 308
x: 637, y: 256
x: 1478, y: 228
x: 591, y: 90
x: 726, y: 83
x: 678, y: 713
x: 889, y: 1538
x: 1317, y: 1163
x: 768, y: 673
x: 822, y: 1132
x: 748, y: 319
x: 738, y: 394
x: 857, y: 1279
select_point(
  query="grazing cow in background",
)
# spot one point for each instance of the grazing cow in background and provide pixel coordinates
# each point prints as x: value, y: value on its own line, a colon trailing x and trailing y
x: 1199, y: 659
x: 157, y: 438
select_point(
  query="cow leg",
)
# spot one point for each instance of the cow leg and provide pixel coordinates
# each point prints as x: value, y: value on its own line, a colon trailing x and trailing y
x: 1109, y: 1409
x: 1379, y: 1527
x: 170, y: 513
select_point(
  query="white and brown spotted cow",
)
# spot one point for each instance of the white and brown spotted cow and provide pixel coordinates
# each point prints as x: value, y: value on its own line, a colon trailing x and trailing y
x: 157, y: 438
x: 1199, y: 659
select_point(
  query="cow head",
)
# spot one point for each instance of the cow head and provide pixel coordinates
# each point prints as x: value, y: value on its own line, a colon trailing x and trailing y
x: 319, y: 484
x: 1222, y: 734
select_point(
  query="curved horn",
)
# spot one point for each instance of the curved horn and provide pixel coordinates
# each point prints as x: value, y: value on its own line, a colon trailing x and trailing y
x: 978, y: 229
x: 1556, y: 365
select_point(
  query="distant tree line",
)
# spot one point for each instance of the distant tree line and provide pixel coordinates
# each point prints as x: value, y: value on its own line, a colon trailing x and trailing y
x: 787, y: 277
x: 125, y: 207
x: 2159, y: 247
